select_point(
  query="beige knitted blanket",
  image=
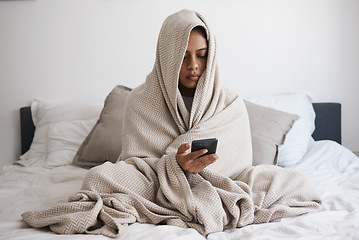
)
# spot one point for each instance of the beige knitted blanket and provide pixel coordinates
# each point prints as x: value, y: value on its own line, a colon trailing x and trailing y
x: 147, y: 185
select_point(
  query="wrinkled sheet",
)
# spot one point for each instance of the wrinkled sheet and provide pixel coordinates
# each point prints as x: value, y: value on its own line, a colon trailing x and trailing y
x: 333, y: 169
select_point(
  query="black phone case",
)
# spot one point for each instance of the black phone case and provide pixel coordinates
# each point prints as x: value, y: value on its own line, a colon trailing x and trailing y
x: 210, y: 144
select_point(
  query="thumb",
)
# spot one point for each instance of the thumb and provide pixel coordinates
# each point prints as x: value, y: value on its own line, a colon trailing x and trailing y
x: 183, y: 148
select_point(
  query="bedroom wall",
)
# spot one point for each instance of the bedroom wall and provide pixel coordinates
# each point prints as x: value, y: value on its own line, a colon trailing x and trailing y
x: 77, y: 51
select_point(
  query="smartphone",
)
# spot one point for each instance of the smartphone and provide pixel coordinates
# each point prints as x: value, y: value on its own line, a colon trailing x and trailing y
x: 210, y: 144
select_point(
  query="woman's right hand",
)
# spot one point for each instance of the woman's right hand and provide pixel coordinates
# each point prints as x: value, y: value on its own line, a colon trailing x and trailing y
x: 194, y: 162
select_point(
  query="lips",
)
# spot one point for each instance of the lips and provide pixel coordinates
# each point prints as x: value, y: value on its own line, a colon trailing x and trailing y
x: 193, y: 77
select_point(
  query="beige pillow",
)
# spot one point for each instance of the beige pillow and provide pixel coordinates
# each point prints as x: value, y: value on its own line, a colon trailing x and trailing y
x: 104, y: 141
x: 269, y: 128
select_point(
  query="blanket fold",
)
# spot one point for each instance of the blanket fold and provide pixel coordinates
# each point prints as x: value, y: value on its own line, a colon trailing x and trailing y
x: 147, y: 185
x: 208, y: 202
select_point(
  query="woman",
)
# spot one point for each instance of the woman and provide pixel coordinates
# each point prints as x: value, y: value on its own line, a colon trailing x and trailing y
x: 182, y: 100
x: 157, y: 179
x: 193, y: 65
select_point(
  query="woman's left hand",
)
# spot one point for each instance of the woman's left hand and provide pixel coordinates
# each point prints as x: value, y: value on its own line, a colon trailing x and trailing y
x: 194, y: 162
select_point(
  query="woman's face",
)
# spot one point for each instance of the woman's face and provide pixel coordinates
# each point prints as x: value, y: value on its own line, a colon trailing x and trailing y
x: 194, y: 61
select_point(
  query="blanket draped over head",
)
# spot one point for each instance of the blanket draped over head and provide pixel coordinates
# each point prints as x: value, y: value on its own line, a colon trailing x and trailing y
x: 147, y: 185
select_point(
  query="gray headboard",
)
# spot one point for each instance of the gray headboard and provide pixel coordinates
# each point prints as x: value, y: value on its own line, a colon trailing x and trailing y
x: 327, y: 124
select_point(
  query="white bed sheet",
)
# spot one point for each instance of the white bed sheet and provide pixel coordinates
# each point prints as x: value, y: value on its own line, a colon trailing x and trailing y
x: 333, y: 169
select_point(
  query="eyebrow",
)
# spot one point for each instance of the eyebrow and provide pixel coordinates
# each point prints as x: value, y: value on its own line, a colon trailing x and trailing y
x: 201, y: 49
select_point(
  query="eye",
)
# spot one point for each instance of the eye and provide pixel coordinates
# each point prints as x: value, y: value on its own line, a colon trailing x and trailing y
x: 202, y: 56
x: 202, y: 53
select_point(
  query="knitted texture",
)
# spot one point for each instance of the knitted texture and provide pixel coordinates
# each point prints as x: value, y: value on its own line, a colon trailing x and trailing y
x: 147, y: 185
x: 156, y: 119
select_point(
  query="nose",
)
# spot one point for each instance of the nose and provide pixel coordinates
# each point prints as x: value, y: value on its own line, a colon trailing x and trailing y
x: 193, y: 64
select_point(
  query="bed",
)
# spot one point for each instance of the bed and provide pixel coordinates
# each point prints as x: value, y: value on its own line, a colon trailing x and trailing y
x: 44, y: 180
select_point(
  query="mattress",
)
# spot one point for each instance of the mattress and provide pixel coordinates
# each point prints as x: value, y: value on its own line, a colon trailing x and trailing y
x: 333, y: 169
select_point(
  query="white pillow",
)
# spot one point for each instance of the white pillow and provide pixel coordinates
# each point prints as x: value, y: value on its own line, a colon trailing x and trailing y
x: 298, y: 138
x: 64, y: 139
x: 44, y: 114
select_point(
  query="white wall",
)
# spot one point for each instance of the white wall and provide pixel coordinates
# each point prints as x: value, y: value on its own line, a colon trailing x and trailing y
x: 78, y: 50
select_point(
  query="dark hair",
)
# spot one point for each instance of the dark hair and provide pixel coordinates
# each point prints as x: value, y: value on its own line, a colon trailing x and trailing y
x: 202, y: 30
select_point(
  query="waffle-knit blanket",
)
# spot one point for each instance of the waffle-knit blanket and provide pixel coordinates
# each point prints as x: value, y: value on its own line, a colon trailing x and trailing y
x: 147, y: 185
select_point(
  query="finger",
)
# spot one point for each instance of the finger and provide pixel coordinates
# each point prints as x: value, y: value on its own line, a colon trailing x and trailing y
x: 183, y: 148
x: 207, y: 159
x: 196, y: 154
x: 200, y: 163
x: 189, y: 162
